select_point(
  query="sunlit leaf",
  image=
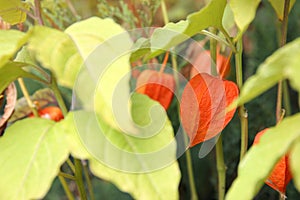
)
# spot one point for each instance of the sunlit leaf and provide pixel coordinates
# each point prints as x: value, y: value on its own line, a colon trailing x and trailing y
x: 30, y: 158
x: 260, y: 159
x: 154, y: 156
x: 295, y: 163
x: 244, y: 12
x: 57, y: 52
x: 103, y: 82
x: 13, y: 11
x: 173, y: 34
x: 11, y: 71
x: 11, y: 41
x: 278, y: 6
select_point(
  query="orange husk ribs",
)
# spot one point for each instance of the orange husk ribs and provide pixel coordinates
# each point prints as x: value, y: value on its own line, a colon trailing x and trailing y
x: 158, y: 86
x: 203, y: 106
x: 281, y: 174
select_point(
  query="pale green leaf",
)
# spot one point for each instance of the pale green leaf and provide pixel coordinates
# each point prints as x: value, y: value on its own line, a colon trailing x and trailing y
x: 160, y: 184
x: 284, y: 63
x: 103, y: 83
x: 145, y: 167
x: 57, y: 52
x: 11, y: 41
x: 11, y: 71
x: 261, y: 158
x: 173, y: 34
x: 228, y: 19
x: 13, y: 11
x: 244, y: 12
x: 31, y: 153
x: 278, y: 6
x: 295, y: 163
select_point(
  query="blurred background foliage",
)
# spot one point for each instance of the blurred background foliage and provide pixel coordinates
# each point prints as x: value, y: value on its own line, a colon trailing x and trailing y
x: 260, y: 41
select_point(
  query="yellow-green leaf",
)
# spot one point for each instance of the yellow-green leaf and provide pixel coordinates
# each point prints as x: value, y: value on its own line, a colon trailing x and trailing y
x: 13, y: 11
x: 278, y: 6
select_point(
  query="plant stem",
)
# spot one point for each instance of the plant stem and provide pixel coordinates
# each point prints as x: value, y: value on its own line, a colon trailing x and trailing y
x: 189, y: 163
x: 164, y: 64
x: 25, y: 92
x: 286, y: 98
x: 78, y: 164
x: 88, y: 181
x: 221, y: 168
x: 58, y: 96
x: 213, y: 54
x: 284, y: 26
x: 66, y: 188
x: 216, y: 37
x: 79, y: 179
x: 241, y: 110
x: 229, y: 40
x: 38, y: 14
x: 164, y: 12
x: 65, y: 175
x: 71, y: 165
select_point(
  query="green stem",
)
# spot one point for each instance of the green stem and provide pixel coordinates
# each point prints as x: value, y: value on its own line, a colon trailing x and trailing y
x: 221, y: 168
x: 241, y: 110
x: 25, y: 92
x: 164, y: 11
x: 79, y: 179
x: 58, y: 96
x: 214, y: 36
x: 286, y: 98
x: 189, y: 163
x: 78, y: 164
x: 65, y: 175
x: 229, y: 40
x: 213, y: 54
x: 71, y: 165
x: 284, y: 26
x: 88, y: 181
x: 66, y: 188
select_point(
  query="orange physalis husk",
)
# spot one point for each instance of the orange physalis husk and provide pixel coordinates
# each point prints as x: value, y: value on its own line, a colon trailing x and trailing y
x: 281, y: 174
x: 203, y: 106
x: 158, y: 86
x: 52, y: 112
x: 202, y: 63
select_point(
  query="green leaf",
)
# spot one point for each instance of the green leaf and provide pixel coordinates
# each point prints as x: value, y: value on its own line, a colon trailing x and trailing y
x: 103, y: 83
x: 13, y: 11
x: 11, y: 71
x: 11, y: 41
x: 160, y: 184
x: 140, y: 48
x: 260, y: 159
x: 173, y: 34
x: 278, y: 6
x: 143, y: 165
x: 57, y: 52
x: 30, y: 158
x: 284, y: 63
x: 295, y: 163
x: 244, y: 12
